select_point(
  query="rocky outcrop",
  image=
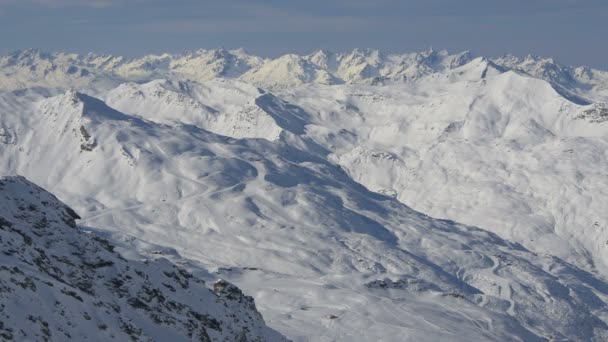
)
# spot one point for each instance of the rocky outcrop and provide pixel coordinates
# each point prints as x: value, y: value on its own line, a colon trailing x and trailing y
x: 58, y: 282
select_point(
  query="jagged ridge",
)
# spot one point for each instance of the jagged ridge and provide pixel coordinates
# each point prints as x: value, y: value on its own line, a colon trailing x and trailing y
x: 33, y: 67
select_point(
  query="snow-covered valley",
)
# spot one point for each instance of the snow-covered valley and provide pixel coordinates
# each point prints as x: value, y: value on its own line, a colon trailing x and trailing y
x: 356, y: 196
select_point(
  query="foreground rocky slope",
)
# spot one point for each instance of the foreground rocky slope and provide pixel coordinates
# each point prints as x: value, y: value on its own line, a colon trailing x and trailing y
x: 59, y: 283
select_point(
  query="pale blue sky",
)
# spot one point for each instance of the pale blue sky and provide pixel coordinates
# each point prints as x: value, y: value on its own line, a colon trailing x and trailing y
x: 572, y: 31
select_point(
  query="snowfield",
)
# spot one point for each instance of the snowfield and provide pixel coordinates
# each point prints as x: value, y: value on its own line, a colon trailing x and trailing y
x: 356, y: 196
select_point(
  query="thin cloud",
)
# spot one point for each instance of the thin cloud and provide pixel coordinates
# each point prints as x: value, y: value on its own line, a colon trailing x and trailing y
x: 253, y: 18
x: 287, y: 25
x: 66, y: 3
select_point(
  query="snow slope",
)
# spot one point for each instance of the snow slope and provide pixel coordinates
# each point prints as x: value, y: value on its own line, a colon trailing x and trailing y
x: 229, y: 108
x: 325, y: 258
x: 507, y: 153
x: 59, y: 283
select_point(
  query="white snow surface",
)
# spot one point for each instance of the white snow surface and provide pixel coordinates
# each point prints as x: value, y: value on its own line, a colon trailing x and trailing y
x: 356, y: 196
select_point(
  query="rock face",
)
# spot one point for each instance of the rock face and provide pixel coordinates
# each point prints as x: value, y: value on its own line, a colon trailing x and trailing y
x: 59, y: 283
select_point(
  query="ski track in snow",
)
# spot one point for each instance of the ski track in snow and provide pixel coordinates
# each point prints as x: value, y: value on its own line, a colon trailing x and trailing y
x: 95, y: 215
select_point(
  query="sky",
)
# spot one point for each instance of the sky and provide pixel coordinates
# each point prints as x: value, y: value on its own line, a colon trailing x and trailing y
x: 574, y: 32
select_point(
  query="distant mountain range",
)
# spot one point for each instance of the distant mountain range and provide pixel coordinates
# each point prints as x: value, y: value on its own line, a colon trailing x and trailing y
x: 32, y: 67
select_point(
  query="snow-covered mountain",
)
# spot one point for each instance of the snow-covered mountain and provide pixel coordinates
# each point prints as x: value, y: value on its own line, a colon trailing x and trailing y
x: 59, y: 283
x: 307, y: 181
x: 508, y: 153
x: 29, y: 68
